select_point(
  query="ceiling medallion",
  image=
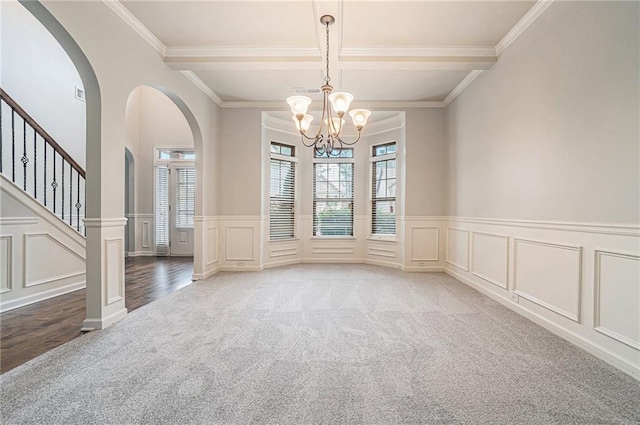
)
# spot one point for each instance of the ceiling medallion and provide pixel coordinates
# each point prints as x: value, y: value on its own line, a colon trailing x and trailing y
x: 327, y: 141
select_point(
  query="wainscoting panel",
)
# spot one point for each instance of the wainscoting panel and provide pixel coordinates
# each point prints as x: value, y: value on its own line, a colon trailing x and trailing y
x: 549, y: 275
x: 40, y: 256
x: 283, y: 252
x: 114, y: 270
x: 239, y: 243
x: 424, y: 244
x: 580, y: 281
x: 617, y: 297
x: 37, y: 246
x: 458, y: 248
x: 6, y: 260
x: 212, y: 246
x: 490, y: 258
x: 146, y: 234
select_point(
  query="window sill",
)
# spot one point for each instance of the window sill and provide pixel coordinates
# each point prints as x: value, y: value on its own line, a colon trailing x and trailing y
x: 382, y: 239
x: 284, y: 240
x: 332, y: 238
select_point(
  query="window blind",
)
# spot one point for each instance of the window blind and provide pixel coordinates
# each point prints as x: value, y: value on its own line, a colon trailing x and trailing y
x: 333, y: 199
x: 383, y: 203
x: 282, y: 199
x: 185, y: 196
x: 162, y: 210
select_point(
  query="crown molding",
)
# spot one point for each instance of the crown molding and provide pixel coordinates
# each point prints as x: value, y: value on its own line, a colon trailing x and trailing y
x: 380, y: 105
x: 461, y: 86
x: 522, y: 25
x: 137, y: 26
x: 191, y: 76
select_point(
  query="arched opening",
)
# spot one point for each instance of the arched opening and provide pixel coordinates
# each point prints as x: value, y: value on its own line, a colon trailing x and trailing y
x: 162, y: 131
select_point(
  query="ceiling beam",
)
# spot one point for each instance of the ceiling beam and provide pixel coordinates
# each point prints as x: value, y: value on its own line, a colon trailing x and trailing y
x: 242, y: 58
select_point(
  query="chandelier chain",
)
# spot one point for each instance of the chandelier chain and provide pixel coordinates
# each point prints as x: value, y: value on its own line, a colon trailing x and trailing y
x: 327, y: 78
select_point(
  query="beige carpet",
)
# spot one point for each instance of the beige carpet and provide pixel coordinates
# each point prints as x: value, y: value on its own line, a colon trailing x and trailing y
x: 320, y: 344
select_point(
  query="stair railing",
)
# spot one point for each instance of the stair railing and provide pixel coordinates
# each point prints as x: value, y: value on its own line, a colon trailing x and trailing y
x: 30, y: 158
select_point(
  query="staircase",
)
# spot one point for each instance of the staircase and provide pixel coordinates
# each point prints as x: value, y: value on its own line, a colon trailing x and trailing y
x: 31, y: 159
x: 42, y: 208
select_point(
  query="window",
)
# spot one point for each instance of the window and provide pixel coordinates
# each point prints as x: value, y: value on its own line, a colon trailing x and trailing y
x: 282, y: 192
x: 173, y: 154
x: 162, y: 210
x: 333, y: 196
x: 383, y: 193
x: 185, y: 196
x: 338, y: 153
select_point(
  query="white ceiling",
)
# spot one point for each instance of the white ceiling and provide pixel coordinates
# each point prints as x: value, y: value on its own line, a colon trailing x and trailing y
x: 381, y: 51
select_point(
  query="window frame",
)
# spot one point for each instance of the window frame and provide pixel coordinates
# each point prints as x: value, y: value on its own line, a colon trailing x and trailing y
x: 373, y: 199
x: 275, y: 156
x: 333, y: 160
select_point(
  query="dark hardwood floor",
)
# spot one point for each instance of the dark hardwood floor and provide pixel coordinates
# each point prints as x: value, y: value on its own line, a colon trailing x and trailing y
x: 30, y: 331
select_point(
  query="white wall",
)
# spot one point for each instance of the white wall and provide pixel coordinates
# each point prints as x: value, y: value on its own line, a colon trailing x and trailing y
x: 159, y: 123
x: 551, y: 131
x: 39, y: 75
x: 544, y: 178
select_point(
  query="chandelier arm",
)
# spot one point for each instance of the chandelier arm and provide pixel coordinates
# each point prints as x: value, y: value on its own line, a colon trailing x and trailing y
x: 351, y: 143
x: 304, y: 136
x: 324, y: 111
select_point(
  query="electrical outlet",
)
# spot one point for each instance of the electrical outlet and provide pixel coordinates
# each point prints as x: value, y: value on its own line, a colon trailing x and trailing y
x: 514, y: 297
x: 240, y: 263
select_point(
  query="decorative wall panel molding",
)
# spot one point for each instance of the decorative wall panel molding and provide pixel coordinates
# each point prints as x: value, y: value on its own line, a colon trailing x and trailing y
x: 69, y: 263
x: 6, y: 261
x: 549, y: 275
x: 458, y: 248
x: 617, y: 297
x: 283, y: 252
x: 18, y: 221
x: 594, y: 228
x: 490, y: 258
x: 425, y: 243
x: 339, y: 250
x: 382, y: 252
x: 146, y: 233
x: 239, y: 243
x: 114, y: 270
x: 212, y: 246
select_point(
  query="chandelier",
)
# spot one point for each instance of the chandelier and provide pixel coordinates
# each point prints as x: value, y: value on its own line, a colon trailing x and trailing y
x: 327, y: 142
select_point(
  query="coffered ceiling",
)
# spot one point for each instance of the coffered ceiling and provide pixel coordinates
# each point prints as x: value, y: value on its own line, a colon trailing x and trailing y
x: 387, y: 53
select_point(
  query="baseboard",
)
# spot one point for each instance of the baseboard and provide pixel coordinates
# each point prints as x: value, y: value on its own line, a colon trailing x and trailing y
x: 332, y: 260
x: 383, y: 264
x: 98, y: 324
x: 572, y: 337
x: 281, y: 263
x: 241, y: 268
x: 428, y: 269
x: 205, y: 275
x: 41, y: 296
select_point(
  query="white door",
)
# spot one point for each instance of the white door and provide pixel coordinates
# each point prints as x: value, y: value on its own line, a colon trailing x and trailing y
x: 174, y: 207
x: 182, y: 193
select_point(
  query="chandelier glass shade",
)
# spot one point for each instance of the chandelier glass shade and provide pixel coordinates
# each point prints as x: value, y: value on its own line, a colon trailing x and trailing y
x: 327, y: 140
